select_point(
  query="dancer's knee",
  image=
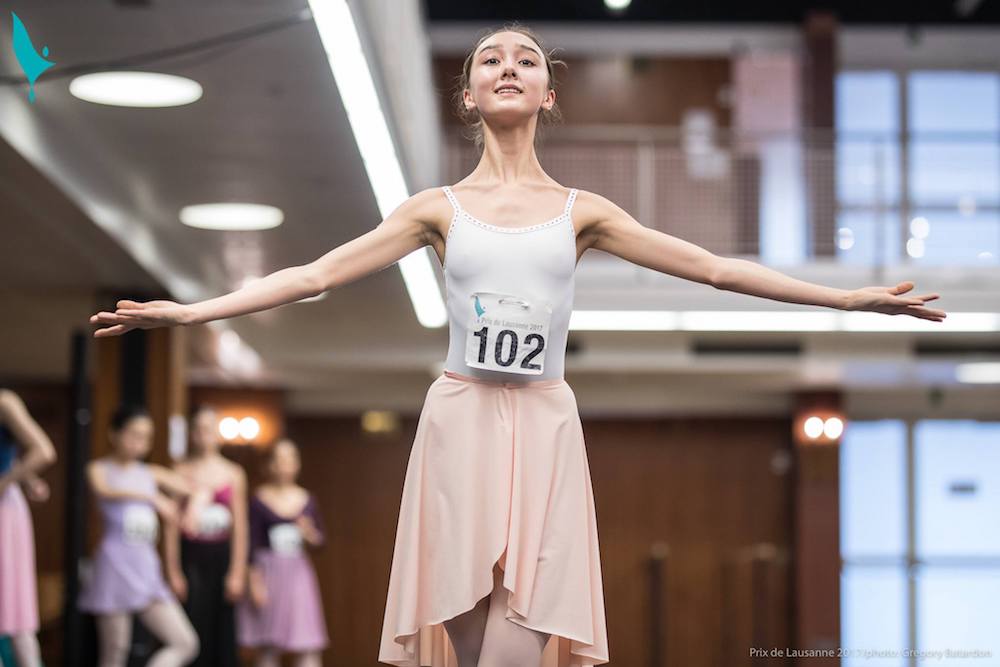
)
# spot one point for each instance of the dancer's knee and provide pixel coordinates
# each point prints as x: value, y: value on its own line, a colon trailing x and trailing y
x: 508, y: 644
x: 466, y: 633
x: 186, y: 644
x: 114, y: 651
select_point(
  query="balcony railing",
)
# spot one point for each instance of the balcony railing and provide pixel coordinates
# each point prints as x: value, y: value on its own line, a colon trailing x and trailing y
x: 869, y: 200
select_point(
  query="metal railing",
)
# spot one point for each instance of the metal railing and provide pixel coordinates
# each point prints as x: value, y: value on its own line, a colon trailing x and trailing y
x: 788, y: 198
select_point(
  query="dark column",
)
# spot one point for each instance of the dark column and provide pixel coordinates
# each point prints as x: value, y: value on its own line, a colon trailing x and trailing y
x: 819, y: 71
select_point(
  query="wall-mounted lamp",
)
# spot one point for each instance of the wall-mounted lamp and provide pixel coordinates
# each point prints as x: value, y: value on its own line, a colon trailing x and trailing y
x: 232, y: 429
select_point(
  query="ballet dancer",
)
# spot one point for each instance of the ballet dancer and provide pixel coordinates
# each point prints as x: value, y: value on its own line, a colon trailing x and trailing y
x: 498, y: 476
x: 126, y: 575
x: 25, y: 450
x: 206, y: 551
x: 285, y: 612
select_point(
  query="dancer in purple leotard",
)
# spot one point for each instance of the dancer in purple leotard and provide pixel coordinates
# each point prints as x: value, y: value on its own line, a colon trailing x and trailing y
x: 126, y: 576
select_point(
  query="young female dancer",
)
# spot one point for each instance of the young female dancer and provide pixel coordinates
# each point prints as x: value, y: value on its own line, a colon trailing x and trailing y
x: 18, y: 595
x: 498, y: 476
x: 284, y: 612
x: 206, y: 551
x: 126, y: 577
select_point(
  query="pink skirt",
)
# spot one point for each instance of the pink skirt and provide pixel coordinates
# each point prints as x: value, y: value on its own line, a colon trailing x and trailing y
x: 18, y: 593
x: 292, y: 619
x: 498, y: 473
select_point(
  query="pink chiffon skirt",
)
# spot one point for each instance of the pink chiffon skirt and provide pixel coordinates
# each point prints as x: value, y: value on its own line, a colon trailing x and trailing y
x: 498, y: 473
x: 18, y: 595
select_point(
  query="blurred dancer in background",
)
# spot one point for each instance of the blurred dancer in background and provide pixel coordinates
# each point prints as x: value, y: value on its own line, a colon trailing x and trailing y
x: 284, y: 613
x: 24, y: 451
x: 206, y: 550
x: 126, y: 576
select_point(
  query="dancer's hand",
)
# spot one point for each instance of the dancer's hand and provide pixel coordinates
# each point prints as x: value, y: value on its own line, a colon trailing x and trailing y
x: 141, y: 315
x: 37, y: 489
x: 199, y: 499
x: 886, y: 300
x: 308, y: 529
x: 178, y: 584
x: 165, y: 507
x: 258, y: 591
x: 235, y: 585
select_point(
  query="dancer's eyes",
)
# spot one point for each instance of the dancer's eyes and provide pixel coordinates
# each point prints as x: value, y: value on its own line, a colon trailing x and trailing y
x: 523, y: 60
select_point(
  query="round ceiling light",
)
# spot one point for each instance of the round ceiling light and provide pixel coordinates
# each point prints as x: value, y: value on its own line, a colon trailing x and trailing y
x: 135, y: 89
x: 232, y: 216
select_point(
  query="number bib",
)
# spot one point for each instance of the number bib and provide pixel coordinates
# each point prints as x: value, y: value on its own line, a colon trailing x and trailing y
x: 285, y: 539
x: 140, y: 525
x: 507, y: 333
x: 214, y: 519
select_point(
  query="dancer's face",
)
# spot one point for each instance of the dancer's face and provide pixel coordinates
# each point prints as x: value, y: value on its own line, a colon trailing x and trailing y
x: 135, y: 438
x: 508, y: 58
x: 205, y: 432
x: 285, y: 463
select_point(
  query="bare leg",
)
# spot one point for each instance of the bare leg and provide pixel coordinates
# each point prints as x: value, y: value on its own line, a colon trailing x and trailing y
x: 114, y: 632
x: 505, y: 643
x: 267, y: 657
x: 311, y: 659
x: 466, y: 633
x: 167, y: 621
x: 26, y: 650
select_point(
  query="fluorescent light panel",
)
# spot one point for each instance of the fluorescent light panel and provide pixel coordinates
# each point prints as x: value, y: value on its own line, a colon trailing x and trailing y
x: 339, y: 35
x: 978, y: 373
x: 787, y: 321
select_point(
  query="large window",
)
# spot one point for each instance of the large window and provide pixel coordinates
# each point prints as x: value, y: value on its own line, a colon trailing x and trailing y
x: 920, y: 541
x: 918, y: 167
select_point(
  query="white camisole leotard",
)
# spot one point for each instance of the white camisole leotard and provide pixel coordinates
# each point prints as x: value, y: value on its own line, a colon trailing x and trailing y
x: 527, y: 272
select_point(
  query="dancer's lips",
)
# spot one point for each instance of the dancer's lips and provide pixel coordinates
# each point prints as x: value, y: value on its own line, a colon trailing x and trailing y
x: 509, y: 88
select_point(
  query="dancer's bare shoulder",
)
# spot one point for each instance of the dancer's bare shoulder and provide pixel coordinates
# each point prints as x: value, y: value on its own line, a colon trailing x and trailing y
x: 591, y: 215
x: 431, y: 210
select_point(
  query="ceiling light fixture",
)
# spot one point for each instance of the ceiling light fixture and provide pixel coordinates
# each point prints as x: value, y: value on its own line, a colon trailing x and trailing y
x: 773, y: 321
x: 353, y: 78
x: 232, y: 216
x: 135, y: 89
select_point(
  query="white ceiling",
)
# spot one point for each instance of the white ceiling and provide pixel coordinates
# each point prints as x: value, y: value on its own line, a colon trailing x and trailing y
x: 90, y: 194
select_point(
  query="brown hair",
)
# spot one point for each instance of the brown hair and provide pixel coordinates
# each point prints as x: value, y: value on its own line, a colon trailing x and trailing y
x: 473, y: 121
x: 268, y: 453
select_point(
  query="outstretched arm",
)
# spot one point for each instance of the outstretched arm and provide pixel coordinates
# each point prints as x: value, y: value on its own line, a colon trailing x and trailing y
x: 405, y: 230
x: 609, y: 228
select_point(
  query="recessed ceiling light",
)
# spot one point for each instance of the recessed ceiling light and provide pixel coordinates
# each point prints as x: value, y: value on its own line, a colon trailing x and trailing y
x: 135, y: 89
x: 232, y: 216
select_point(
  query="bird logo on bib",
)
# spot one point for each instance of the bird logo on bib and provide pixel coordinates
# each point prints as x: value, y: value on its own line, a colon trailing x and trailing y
x: 507, y: 333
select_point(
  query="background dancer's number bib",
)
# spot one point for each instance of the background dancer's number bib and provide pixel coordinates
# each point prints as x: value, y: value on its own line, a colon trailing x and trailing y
x: 140, y: 524
x: 214, y: 520
x: 507, y: 333
x: 285, y: 539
